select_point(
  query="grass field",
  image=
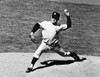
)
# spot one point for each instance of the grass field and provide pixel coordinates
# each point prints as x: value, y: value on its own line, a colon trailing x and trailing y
x: 17, y: 17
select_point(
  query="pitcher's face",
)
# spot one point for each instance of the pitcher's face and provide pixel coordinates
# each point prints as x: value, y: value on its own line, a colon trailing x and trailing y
x: 54, y: 21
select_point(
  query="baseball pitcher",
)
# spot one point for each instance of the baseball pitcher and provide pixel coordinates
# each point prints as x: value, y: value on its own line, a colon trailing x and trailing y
x: 50, y: 37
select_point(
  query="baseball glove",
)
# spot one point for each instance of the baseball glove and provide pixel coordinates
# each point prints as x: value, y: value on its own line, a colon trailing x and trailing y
x: 33, y: 39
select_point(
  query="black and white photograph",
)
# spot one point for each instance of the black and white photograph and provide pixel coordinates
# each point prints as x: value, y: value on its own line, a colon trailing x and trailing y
x: 49, y: 38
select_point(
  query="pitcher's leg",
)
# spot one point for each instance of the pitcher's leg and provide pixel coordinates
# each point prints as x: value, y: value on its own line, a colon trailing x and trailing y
x: 36, y: 56
x: 63, y: 53
x: 71, y: 54
x: 59, y: 50
x: 40, y: 49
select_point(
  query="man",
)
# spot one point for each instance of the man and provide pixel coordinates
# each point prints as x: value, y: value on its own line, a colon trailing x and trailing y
x: 50, y: 38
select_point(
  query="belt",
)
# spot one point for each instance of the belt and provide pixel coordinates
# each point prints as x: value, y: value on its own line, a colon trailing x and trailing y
x: 52, y: 44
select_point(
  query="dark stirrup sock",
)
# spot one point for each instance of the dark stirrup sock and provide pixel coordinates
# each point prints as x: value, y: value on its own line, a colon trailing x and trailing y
x: 75, y: 56
x: 34, y: 60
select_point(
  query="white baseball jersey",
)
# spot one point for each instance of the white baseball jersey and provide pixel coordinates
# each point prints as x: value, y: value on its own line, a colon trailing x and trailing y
x: 50, y: 31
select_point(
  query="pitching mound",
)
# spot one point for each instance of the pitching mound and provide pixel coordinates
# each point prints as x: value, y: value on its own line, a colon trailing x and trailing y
x: 49, y: 65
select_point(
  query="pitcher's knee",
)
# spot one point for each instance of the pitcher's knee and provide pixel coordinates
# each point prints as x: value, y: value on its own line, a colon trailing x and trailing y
x: 67, y: 53
x: 36, y: 55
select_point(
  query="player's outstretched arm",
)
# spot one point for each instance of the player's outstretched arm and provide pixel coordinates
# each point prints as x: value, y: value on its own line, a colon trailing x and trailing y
x: 69, y: 23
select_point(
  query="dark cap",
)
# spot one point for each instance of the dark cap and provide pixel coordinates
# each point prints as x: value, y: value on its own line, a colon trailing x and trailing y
x: 55, y: 15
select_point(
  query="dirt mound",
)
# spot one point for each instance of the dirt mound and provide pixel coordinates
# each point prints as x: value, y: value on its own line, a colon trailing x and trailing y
x: 15, y: 65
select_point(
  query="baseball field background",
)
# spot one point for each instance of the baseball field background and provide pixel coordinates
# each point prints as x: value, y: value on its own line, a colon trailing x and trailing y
x: 17, y: 17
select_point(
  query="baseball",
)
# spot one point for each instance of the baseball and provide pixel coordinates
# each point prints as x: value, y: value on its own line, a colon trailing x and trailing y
x: 65, y: 10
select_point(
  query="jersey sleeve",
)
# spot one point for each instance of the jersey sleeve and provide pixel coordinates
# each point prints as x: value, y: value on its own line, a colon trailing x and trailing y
x: 35, y: 28
x: 63, y: 26
x: 42, y: 24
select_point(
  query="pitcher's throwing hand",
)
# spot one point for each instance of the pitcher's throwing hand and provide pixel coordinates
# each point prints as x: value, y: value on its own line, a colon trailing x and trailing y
x: 66, y: 12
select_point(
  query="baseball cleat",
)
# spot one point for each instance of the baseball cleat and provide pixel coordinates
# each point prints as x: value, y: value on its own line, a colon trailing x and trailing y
x: 29, y: 70
x: 75, y: 56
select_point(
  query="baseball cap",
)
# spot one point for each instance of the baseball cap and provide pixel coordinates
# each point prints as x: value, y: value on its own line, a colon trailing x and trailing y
x: 55, y: 15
